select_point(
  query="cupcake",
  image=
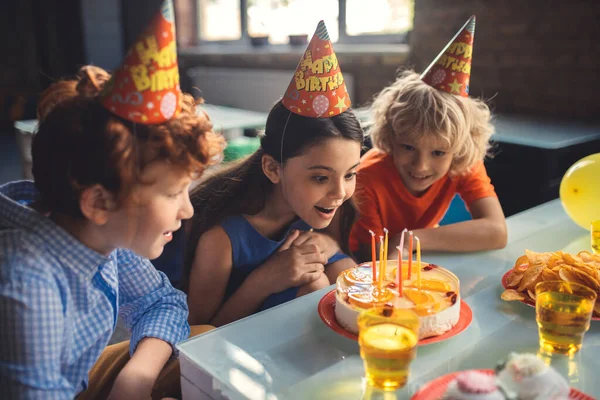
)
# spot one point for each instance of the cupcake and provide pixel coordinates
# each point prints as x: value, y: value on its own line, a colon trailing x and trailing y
x: 526, y: 377
x: 473, y: 385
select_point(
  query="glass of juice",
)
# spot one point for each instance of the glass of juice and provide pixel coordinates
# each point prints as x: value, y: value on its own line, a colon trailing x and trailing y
x: 563, y: 313
x: 388, y: 343
x: 595, y: 236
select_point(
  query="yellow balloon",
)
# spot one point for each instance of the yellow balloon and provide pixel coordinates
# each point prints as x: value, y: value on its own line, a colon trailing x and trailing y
x: 580, y: 191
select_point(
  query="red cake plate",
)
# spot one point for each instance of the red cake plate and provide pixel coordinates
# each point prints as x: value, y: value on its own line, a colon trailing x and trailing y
x: 435, y: 389
x: 326, y: 309
x: 527, y: 301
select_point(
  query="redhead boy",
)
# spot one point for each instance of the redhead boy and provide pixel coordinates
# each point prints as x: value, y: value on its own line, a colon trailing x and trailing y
x: 74, y: 245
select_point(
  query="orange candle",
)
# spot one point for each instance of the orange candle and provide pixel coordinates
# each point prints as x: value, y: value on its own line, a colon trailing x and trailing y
x: 418, y: 262
x: 374, y: 256
x: 410, y: 250
x: 400, y: 269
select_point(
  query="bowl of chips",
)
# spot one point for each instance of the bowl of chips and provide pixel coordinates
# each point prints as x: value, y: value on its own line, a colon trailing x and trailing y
x: 531, y: 268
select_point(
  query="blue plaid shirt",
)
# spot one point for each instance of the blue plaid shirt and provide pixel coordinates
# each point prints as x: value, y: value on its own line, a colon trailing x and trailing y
x: 59, y: 302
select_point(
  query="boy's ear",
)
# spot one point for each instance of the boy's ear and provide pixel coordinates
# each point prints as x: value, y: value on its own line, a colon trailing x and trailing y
x: 271, y: 168
x: 96, y: 203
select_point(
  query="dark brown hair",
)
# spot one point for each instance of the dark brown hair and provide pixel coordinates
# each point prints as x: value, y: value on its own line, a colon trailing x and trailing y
x: 242, y: 187
x: 79, y: 143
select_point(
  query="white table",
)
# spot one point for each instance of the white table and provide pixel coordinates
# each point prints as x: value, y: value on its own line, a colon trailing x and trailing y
x: 288, y: 353
x: 225, y: 120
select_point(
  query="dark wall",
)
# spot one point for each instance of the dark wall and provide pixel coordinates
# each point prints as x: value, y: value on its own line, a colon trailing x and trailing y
x: 538, y: 56
x: 42, y: 41
x: 136, y: 16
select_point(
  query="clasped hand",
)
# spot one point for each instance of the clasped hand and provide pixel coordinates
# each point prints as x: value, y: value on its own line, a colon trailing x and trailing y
x: 295, y: 263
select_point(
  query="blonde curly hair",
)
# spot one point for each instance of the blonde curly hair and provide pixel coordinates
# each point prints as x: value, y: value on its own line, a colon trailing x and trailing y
x: 410, y: 109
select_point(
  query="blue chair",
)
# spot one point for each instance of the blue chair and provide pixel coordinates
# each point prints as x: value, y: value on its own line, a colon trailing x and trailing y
x: 457, y: 212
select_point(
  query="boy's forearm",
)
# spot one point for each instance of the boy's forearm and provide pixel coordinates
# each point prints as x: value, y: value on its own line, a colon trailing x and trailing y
x: 150, y: 356
x: 245, y: 301
x: 139, y: 375
x: 474, y: 235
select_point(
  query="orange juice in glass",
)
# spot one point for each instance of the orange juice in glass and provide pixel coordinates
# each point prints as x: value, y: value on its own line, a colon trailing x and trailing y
x: 563, y: 313
x: 595, y: 236
x: 388, y: 343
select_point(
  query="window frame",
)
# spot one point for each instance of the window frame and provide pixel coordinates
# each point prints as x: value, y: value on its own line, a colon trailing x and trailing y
x: 343, y: 37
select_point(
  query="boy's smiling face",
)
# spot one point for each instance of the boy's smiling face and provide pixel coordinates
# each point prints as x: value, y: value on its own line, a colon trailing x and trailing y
x: 422, y: 162
x: 146, y: 221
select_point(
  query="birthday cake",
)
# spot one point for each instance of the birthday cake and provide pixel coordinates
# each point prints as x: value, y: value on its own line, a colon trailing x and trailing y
x: 436, y: 302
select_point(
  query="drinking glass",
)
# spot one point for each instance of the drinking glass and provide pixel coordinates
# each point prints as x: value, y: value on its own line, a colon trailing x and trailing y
x: 388, y: 343
x: 563, y: 313
x: 595, y: 236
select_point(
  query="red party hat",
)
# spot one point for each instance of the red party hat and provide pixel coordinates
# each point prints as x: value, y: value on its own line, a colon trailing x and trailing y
x: 318, y: 89
x: 451, y: 70
x: 145, y: 88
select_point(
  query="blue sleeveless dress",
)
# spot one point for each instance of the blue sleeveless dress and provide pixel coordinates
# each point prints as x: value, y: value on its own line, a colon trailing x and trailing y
x: 250, y: 249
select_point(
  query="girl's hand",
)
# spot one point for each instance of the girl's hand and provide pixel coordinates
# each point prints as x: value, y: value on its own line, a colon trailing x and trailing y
x: 292, y: 266
x: 326, y: 244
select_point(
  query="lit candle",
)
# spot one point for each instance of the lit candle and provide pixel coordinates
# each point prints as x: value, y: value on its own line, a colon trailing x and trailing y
x: 400, y: 268
x: 374, y: 256
x: 381, y: 277
x: 385, y: 252
x: 418, y: 262
x: 410, y: 249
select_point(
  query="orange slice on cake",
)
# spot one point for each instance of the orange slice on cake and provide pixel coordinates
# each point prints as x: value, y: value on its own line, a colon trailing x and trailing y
x: 424, y: 302
x: 360, y: 275
x: 434, y: 285
x: 367, y: 300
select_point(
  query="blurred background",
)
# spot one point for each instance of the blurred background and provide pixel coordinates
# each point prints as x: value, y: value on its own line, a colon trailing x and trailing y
x: 534, y: 61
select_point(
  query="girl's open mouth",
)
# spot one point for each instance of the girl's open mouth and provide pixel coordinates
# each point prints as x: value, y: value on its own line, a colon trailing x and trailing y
x: 325, y: 210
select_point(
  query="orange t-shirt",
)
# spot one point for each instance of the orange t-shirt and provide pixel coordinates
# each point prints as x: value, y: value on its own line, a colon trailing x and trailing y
x: 384, y: 201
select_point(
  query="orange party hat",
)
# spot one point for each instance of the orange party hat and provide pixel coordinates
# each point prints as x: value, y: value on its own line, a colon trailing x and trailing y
x: 145, y: 88
x: 318, y: 89
x: 451, y: 70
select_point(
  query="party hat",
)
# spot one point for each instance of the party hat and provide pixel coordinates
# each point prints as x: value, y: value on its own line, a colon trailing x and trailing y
x: 318, y: 88
x: 451, y: 70
x: 145, y: 88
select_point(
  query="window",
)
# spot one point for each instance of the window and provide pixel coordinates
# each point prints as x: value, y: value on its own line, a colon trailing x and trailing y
x: 348, y: 21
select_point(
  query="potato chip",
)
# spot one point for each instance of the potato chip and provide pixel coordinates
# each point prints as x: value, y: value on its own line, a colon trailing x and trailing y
x: 511, y: 295
x: 554, y: 261
x: 531, y: 268
x: 569, y: 259
x: 566, y: 275
x: 550, y: 275
x: 530, y: 276
x: 514, y: 278
x: 522, y: 262
x: 587, y: 280
x: 537, y: 258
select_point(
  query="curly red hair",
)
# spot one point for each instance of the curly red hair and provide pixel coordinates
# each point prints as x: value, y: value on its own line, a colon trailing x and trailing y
x: 79, y: 143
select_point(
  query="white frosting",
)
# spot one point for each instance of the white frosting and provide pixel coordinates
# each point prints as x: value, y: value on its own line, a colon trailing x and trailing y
x: 547, y: 384
x: 431, y: 325
x: 454, y: 393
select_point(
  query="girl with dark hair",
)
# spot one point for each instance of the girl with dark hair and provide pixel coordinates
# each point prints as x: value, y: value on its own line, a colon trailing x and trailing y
x: 274, y: 226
